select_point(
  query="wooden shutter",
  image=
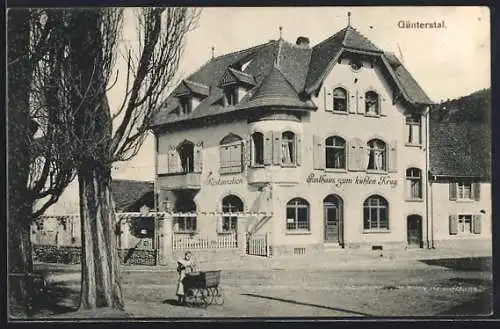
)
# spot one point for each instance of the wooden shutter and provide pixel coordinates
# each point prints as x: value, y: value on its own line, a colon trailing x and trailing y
x: 476, y: 222
x: 239, y: 155
x: 298, y: 149
x: 198, y: 158
x: 276, y: 147
x: 328, y: 99
x: 351, y: 102
x: 247, y: 152
x: 381, y: 100
x: 162, y: 163
x: 352, y: 162
x: 222, y: 159
x: 268, y: 148
x: 477, y: 191
x: 360, y: 104
x: 172, y: 161
x: 318, y: 149
x: 453, y: 219
x: 453, y: 191
x: 392, y: 158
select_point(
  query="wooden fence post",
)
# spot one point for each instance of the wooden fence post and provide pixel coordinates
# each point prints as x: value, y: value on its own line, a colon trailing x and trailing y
x: 268, y: 242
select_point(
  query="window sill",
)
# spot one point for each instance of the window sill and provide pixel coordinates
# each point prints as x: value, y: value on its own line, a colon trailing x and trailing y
x: 465, y: 200
x: 298, y: 233
x: 226, y: 232
x: 373, y: 171
x: 415, y: 200
x: 230, y: 173
x: 335, y: 170
x: 257, y: 166
x: 413, y: 145
x: 291, y: 165
x: 340, y: 112
x: 376, y: 231
x: 372, y: 115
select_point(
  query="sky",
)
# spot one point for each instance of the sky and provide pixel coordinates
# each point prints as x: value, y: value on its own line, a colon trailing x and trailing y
x: 447, y: 63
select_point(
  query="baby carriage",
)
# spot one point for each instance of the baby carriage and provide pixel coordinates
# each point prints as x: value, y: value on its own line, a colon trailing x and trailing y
x: 202, y: 288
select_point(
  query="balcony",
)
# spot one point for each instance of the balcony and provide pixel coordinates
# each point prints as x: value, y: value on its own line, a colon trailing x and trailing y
x: 258, y: 175
x: 180, y: 181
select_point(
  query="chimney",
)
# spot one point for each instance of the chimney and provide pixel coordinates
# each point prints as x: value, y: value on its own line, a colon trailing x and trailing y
x: 302, y: 42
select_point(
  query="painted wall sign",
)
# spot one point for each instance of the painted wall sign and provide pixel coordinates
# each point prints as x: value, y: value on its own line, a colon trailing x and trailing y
x: 211, y: 180
x: 358, y: 180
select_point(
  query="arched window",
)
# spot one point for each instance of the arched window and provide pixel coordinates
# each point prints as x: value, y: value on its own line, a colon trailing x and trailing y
x: 231, y: 154
x: 335, y: 152
x: 340, y: 99
x: 231, y: 205
x: 413, y: 183
x: 288, y: 147
x: 377, y: 157
x: 371, y: 102
x: 258, y: 148
x: 187, y: 221
x: 186, y: 154
x: 297, y: 215
x: 375, y: 213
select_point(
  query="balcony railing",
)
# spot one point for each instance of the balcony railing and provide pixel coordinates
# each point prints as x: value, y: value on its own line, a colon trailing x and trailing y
x: 181, y: 181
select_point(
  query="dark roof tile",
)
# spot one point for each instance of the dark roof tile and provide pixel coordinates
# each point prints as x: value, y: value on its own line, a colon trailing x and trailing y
x: 127, y: 193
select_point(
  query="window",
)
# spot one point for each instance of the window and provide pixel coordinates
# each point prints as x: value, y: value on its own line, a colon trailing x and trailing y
x: 258, y: 148
x: 288, y: 148
x: 231, y: 154
x: 464, y: 224
x: 371, y: 103
x: 375, y: 213
x: 335, y: 152
x: 186, y: 222
x: 377, y: 155
x: 464, y: 190
x: 297, y: 215
x: 340, y: 100
x: 231, y: 205
x: 231, y: 95
x: 186, y: 154
x: 414, y: 129
x: 185, y: 105
x: 414, y: 183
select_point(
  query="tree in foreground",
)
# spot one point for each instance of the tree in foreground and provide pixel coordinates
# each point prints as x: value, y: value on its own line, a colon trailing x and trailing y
x: 93, y: 36
x: 39, y: 150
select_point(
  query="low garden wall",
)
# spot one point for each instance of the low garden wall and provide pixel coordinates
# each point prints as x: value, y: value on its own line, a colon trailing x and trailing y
x: 72, y: 255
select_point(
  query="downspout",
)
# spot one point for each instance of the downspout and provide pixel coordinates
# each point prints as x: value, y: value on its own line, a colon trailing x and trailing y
x: 428, y: 185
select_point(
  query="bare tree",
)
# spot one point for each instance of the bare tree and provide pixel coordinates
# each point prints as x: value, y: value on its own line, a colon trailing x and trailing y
x: 150, y: 72
x: 38, y: 168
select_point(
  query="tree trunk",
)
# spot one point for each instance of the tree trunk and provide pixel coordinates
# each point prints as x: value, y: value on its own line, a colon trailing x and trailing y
x: 100, y: 285
x: 19, y: 132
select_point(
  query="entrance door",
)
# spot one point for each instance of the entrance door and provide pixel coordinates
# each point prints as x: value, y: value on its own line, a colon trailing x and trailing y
x: 414, y: 227
x: 332, y: 209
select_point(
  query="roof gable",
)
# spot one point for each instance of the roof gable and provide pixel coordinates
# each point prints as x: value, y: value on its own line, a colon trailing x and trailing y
x: 127, y: 193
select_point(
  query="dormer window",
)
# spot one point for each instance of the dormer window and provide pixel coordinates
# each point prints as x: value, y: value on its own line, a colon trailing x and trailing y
x: 231, y: 95
x: 186, y: 107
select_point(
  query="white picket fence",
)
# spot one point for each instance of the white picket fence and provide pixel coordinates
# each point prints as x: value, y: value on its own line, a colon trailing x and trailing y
x: 258, y: 245
x: 182, y: 241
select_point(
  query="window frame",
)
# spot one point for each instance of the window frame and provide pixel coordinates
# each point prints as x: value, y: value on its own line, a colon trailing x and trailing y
x: 371, y: 152
x: 412, y: 121
x: 229, y: 214
x: 461, y: 221
x: 186, y: 105
x: 410, y: 177
x: 461, y: 191
x: 377, y: 110
x: 382, y: 203
x: 285, y: 143
x: 255, y: 149
x: 345, y: 99
x: 186, y: 165
x: 333, y: 149
x: 295, y: 204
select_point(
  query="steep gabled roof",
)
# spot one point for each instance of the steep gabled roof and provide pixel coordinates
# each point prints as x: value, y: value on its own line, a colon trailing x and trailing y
x: 274, y: 91
x: 460, y: 141
x: 298, y: 72
x: 127, y: 193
